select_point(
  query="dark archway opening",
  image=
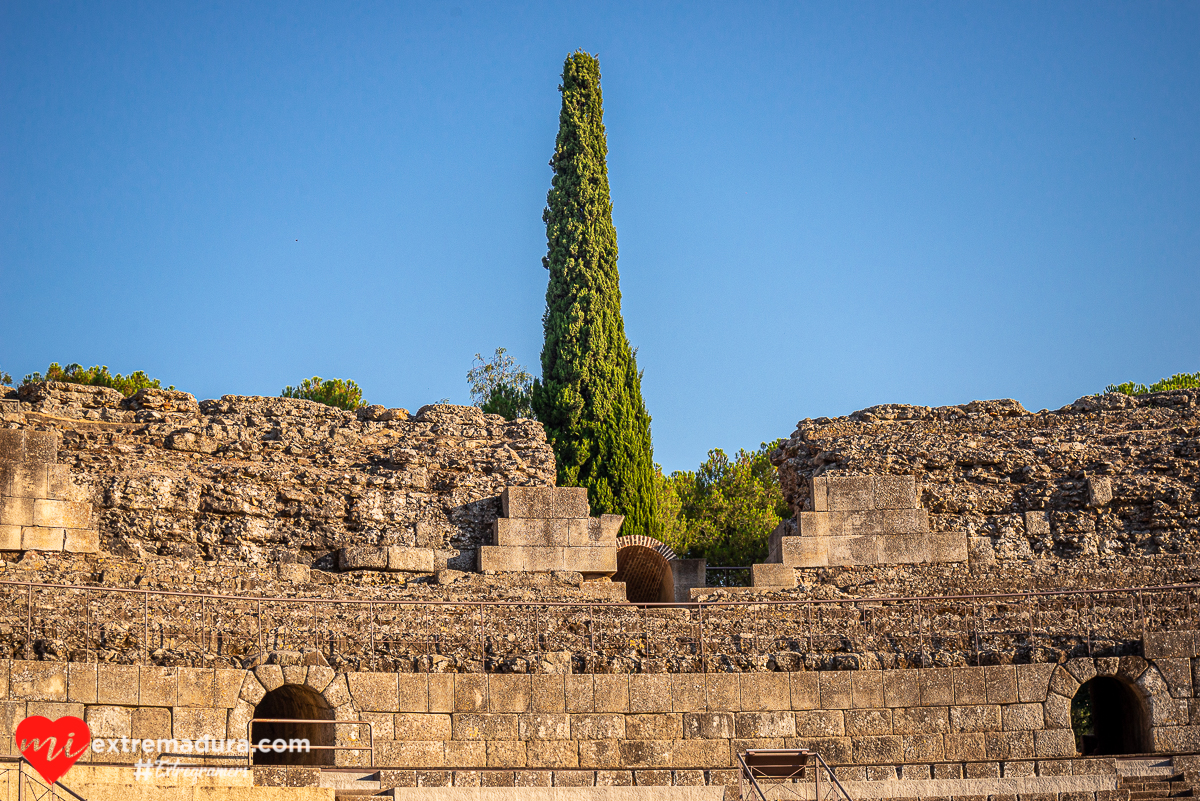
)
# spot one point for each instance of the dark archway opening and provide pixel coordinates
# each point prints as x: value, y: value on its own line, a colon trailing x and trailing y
x: 1109, y: 717
x: 296, y: 702
x: 646, y: 574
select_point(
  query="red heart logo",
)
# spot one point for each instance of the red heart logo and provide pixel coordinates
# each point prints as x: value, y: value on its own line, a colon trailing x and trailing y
x: 50, y: 745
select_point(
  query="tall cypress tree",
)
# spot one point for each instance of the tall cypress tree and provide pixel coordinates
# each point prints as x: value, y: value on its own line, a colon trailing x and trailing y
x: 590, y: 395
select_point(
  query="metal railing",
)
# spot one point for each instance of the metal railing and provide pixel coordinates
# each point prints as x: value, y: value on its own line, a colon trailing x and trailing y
x: 94, y: 623
x: 30, y: 785
x: 786, y: 769
x: 369, y: 747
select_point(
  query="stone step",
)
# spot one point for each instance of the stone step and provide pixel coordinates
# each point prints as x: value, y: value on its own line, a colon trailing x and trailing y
x: 347, y: 783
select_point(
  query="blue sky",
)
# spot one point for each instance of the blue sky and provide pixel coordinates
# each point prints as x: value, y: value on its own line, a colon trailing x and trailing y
x: 820, y: 207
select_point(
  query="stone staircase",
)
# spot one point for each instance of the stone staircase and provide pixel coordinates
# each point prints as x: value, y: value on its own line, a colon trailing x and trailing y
x: 1146, y: 779
x: 858, y: 520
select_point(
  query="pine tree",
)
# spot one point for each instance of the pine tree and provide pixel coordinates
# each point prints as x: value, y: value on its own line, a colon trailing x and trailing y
x: 590, y: 395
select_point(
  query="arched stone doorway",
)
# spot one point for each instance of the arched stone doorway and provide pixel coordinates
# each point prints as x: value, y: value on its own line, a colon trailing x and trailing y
x: 1110, y: 717
x: 642, y: 565
x: 296, y: 702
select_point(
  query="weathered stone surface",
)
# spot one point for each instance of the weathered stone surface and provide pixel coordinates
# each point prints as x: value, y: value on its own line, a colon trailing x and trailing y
x: 545, y: 502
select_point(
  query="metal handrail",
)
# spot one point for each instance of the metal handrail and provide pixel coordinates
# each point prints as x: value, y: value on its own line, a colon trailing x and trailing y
x: 22, y: 774
x: 370, y: 747
x: 748, y: 772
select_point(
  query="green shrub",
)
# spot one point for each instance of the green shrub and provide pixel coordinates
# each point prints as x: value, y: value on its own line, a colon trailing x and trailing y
x: 5, y: 379
x: 724, y: 511
x: 500, y: 386
x: 1177, y: 381
x: 97, y: 376
x: 344, y: 394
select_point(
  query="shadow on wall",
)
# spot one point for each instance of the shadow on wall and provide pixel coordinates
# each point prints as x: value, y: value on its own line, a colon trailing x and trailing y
x: 1110, y: 717
x: 294, y: 702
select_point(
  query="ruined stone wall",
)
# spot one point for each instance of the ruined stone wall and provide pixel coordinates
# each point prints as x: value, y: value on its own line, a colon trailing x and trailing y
x: 1102, y: 490
x: 626, y: 729
x: 263, y: 481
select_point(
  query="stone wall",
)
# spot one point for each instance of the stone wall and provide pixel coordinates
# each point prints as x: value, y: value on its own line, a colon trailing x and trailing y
x: 265, y: 481
x: 648, y: 728
x: 1106, y: 482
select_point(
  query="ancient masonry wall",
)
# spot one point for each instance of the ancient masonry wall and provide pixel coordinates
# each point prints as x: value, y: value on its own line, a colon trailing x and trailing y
x: 1109, y: 477
x: 267, y: 481
x: 648, y: 728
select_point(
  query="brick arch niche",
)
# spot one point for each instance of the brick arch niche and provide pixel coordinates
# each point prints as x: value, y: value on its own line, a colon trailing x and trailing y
x: 642, y: 565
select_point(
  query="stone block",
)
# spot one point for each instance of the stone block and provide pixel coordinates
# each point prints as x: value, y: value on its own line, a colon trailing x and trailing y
x: 610, y: 527
x: 1056, y: 712
x: 158, y: 686
x: 866, y: 689
x: 81, y: 682
x: 765, y: 691
x: 24, y: 480
x: 687, y: 692
x: 548, y: 533
x: 1008, y: 745
x: 1000, y: 684
x: 951, y: 547
x: 228, y: 685
x: 887, y: 748
x: 820, y: 723
x: 611, y: 692
x: 815, y: 524
x: 871, y: 722
x: 1099, y: 490
x: 415, y: 753
x: 901, y: 688
x: 418, y: 726
x: 12, y: 445
x: 41, y: 447
x: 650, y: 692
x: 980, y: 552
x: 853, y: 550
x: 937, y: 688
x: 109, y: 721
x: 600, y: 754
x: 965, y: 746
x: 505, y: 754
x: 805, y: 690
x: 819, y: 492
x: 896, y: 492
x: 195, y: 723
x: 1083, y: 668
x: 766, y: 724
x: 38, y: 681
x: 374, y: 692
x: 545, y: 502
x: 835, y: 689
x: 412, y: 692
x: 470, y: 692
x: 662, y: 726
x: 589, y: 560
x: 485, y: 726
x: 645, y: 754
x: 804, y: 551
x: 1022, y: 717
x: 271, y: 678
x: 10, y: 538
x: 552, y: 754
x: 770, y: 574
x: 547, y: 693
x: 1176, y: 738
x: 975, y: 717
x: 610, y: 778
x: 59, y: 485
x: 708, y: 725
x: 850, y: 493
x: 363, y: 558
x: 969, y: 686
x: 921, y: 720
x: 700, y: 753
x: 921, y: 748
x: 410, y: 560
x: 724, y: 692
x: 580, y: 693
x: 591, y: 533
x: 1178, y: 673
x: 544, y: 726
x: 1037, y: 523
x: 16, y: 511
x: 1033, y: 682
x: 1055, y: 743
x: 61, y: 514
x: 40, y: 538
x: 441, y: 693
x: 904, y: 549
x: 81, y: 540
x: 1174, y: 644
x: 1063, y: 682
x: 117, y: 684
x: 508, y: 692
